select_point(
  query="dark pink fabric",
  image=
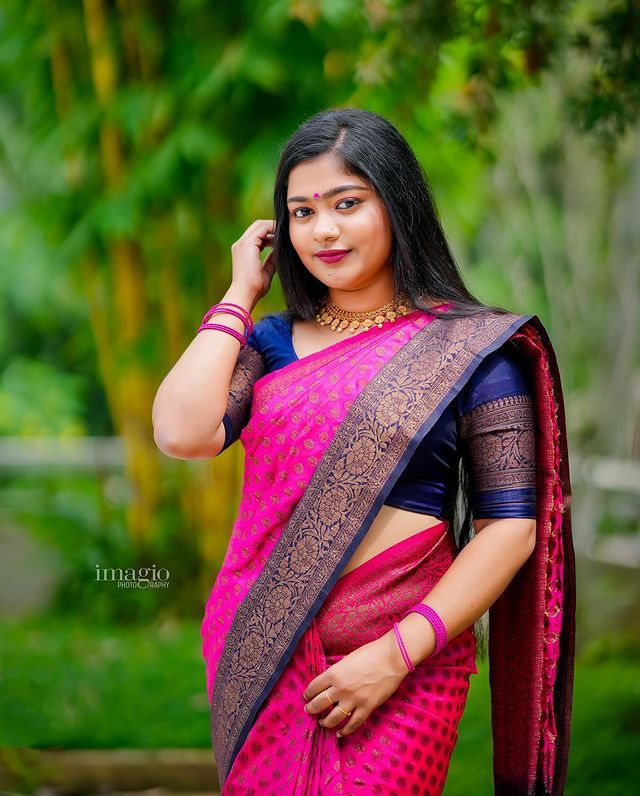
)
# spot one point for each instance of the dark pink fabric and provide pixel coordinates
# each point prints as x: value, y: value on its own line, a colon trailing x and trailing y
x: 405, y: 746
x: 532, y: 624
x: 294, y: 416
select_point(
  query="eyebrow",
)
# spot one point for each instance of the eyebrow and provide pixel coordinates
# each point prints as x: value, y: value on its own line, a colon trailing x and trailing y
x: 331, y: 192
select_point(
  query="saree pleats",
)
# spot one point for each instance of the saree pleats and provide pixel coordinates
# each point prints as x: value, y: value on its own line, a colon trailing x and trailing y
x: 406, y: 743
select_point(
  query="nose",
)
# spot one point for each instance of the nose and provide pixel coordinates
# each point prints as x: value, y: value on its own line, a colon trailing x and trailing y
x: 325, y: 227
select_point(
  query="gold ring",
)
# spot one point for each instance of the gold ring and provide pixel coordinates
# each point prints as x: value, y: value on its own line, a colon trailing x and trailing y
x: 344, y: 711
x: 327, y: 695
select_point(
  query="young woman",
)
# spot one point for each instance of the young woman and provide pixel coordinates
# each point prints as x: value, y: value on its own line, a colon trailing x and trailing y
x: 339, y: 634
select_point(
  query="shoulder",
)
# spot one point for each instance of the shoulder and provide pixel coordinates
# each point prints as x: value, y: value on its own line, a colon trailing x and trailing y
x: 274, y: 323
x: 475, y: 328
x: 501, y: 374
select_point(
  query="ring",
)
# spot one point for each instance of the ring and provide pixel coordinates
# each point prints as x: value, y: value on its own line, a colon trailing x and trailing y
x: 327, y: 695
x: 344, y: 711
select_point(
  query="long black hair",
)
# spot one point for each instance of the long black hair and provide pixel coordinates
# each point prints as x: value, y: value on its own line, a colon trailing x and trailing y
x: 424, y: 268
x: 369, y: 146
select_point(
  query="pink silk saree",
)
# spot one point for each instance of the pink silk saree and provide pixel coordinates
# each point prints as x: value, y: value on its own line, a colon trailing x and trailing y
x: 326, y: 438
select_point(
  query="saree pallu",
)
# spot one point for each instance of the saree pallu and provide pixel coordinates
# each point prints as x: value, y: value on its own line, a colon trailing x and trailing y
x: 327, y: 437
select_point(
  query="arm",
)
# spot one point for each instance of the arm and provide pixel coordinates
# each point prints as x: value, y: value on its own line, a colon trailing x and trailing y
x: 214, y: 373
x: 473, y: 582
x: 191, y: 401
x: 497, y: 441
x: 367, y: 676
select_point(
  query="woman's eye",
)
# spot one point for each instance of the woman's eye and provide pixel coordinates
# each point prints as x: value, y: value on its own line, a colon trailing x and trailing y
x: 348, y: 200
x: 299, y: 209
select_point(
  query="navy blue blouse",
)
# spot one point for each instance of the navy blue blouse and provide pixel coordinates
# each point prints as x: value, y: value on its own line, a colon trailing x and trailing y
x: 490, y: 425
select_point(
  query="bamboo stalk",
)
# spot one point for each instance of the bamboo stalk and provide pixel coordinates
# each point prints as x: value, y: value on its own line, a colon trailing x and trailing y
x: 134, y: 383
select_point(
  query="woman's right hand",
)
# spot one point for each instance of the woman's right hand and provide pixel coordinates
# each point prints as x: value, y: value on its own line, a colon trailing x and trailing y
x: 248, y: 269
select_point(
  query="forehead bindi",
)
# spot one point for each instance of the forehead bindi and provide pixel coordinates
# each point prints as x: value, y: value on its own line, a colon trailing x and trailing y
x: 308, y: 196
x: 321, y: 178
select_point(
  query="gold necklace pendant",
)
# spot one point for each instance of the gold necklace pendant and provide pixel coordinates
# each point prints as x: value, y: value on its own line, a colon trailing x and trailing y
x: 331, y: 315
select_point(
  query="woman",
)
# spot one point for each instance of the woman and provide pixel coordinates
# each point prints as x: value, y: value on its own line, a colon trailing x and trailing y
x: 339, y: 634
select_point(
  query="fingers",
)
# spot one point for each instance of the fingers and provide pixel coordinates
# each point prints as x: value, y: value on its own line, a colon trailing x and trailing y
x: 270, y: 223
x: 320, y: 704
x: 260, y: 232
x: 358, y: 718
x: 266, y: 240
x: 337, y: 717
x: 261, y: 227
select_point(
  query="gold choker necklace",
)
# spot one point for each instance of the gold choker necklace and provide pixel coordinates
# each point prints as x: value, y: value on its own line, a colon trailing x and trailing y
x: 338, y: 319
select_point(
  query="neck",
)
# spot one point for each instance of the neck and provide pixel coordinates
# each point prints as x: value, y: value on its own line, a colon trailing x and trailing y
x: 377, y: 292
x: 362, y: 300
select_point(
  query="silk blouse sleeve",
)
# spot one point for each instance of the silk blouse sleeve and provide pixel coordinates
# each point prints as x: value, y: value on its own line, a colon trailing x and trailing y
x: 496, y: 429
x: 250, y: 366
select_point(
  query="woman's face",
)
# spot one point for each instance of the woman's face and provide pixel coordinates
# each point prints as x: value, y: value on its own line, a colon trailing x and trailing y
x: 352, y: 218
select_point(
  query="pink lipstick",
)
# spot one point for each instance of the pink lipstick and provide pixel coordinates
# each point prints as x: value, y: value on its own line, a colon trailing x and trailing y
x: 332, y: 255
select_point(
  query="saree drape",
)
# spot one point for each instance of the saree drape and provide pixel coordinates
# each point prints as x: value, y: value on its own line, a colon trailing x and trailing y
x: 326, y: 439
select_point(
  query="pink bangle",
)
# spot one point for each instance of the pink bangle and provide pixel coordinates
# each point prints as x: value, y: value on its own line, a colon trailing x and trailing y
x: 221, y: 307
x: 403, y: 649
x: 238, y: 335
x: 231, y: 304
x: 238, y: 307
x: 438, y: 625
x: 213, y: 311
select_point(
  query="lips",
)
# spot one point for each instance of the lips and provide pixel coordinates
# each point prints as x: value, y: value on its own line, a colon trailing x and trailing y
x: 333, y: 257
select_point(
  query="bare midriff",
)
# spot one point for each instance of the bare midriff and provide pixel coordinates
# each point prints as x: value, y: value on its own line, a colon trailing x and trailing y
x: 391, y: 525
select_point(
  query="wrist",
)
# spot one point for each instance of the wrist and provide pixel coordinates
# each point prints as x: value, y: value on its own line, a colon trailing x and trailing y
x: 393, y: 654
x: 418, y: 636
x: 235, y: 318
x: 241, y: 294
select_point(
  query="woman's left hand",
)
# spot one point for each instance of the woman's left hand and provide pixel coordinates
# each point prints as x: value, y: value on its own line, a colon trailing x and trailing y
x: 360, y: 682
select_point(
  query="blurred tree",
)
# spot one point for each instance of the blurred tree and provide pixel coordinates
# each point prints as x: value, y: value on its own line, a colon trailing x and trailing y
x: 139, y: 138
x: 505, y: 46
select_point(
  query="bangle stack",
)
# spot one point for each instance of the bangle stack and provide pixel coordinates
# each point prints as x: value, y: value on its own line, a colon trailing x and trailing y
x: 438, y: 625
x: 230, y: 309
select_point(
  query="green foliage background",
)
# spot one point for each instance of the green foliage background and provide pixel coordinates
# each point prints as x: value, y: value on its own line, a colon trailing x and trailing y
x: 139, y: 139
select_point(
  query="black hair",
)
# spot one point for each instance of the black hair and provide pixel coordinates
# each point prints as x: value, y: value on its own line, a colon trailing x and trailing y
x: 367, y: 145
